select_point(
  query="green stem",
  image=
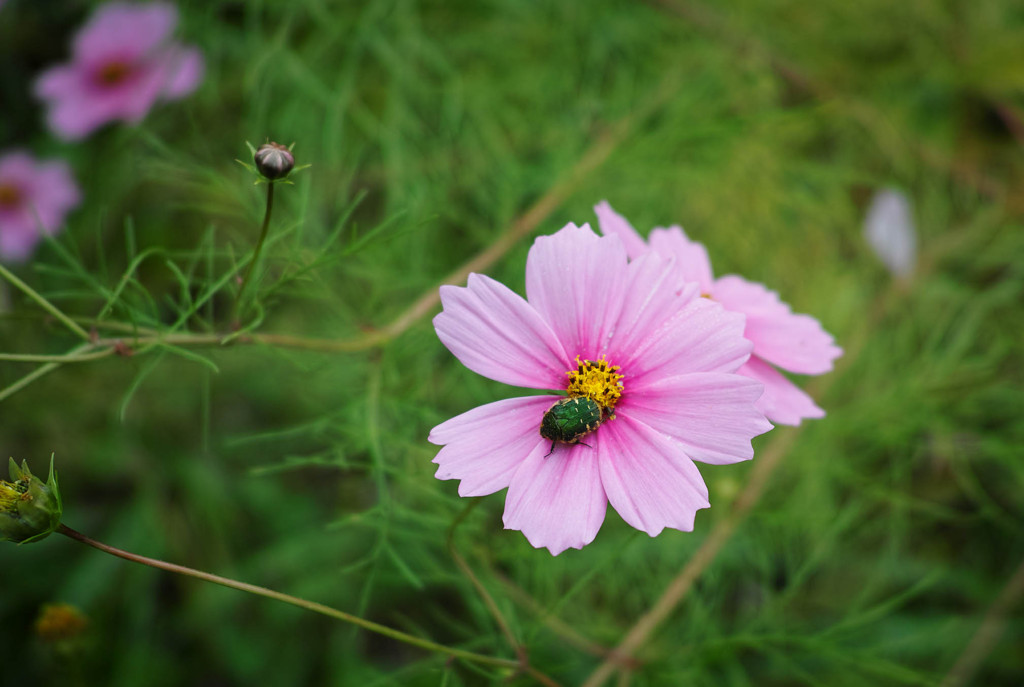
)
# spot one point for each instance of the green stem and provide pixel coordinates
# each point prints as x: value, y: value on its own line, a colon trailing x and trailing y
x: 256, y: 253
x: 477, y: 584
x: 307, y: 605
x: 45, y: 304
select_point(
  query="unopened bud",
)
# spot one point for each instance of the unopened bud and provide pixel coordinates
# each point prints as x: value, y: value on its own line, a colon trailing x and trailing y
x: 274, y: 160
x: 30, y: 509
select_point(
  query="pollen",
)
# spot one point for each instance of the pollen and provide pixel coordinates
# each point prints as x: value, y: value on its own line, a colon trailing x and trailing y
x: 596, y: 379
x: 113, y: 73
x: 10, y: 494
x: 10, y: 196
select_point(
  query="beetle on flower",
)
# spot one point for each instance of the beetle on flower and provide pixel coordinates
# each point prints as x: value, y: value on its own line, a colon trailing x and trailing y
x: 781, y: 338
x: 651, y: 367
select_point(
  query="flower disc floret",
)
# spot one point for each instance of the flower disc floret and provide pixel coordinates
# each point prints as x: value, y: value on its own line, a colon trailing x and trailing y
x: 597, y: 380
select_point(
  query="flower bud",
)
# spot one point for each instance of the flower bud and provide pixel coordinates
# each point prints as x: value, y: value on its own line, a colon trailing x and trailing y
x: 29, y: 508
x: 59, y: 623
x: 274, y: 160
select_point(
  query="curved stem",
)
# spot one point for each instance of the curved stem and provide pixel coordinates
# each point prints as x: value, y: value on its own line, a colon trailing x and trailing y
x: 256, y: 253
x: 481, y: 590
x: 43, y: 303
x: 307, y: 605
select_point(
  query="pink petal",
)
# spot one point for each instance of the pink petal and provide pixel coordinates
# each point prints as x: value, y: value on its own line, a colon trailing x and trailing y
x: 691, y: 257
x: 484, y: 446
x: 796, y: 343
x: 18, y: 238
x: 126, y: 31
x: 612, y: 223
x: 72, y: 118
x: 574, y: 280
x: 651, y: 295
x: 558, y: 501
x: 712, y: 415
x: 783, y: 401
x: 495, y: 333
x: 182, y: 72
x: 56, y: 82
x: 133, y: 100
x: 701, y: 336
x: 55, y: 193
x: 648, y: 478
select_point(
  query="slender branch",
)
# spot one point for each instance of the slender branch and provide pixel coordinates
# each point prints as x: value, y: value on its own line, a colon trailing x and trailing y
x: 43, y: 303
x: 60, y: 358
x: 678, y: 588
x: 35, y: 374
x: 988, y: 633
x: 481, y: 590
x: 256, y: 253
x: 307, y: 605
x: 765, y: 465
x: 553, y: 622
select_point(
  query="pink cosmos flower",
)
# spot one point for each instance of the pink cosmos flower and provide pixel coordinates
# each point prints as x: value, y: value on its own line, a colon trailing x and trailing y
x: 34, y: 198
x: 123, y: 61
x: 781, y: 338
x: 628, y: 337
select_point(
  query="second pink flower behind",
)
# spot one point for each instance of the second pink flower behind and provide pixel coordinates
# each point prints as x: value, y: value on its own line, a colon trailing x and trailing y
x: 123, y: 61
x: 633, y: 337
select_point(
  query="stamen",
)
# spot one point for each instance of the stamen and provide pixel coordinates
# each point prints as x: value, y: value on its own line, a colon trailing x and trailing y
x: 597, y: 380
x: 10, y: 196
x: 113, y: 73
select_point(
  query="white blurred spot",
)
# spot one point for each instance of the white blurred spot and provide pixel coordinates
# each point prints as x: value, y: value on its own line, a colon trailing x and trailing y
x: 889, y: 230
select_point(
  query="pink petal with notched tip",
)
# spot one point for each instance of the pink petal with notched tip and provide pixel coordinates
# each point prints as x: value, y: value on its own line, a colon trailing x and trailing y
x: 692, y: 259
x: 612, y: 223
x: 710, y: 414
x: 483, y: 447
x: 796, y: 343
x: 574, y: 281
x: 648, y: 478
x: 783, y: 401
x: 495, y: 333
x: 558, y: 501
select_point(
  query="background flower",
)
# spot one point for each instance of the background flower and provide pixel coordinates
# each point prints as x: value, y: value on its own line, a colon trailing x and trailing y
x: 123, y: 61
x: 781, y: 338
x: 34, y: 198
x: 678, y: 402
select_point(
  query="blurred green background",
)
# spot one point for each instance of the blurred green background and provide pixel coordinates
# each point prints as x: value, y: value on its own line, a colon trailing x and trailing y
x: 890, y: 528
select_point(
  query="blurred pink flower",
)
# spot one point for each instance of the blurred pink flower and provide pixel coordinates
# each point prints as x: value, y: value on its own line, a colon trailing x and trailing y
x: 632, y: 337
x: 781, y: 338
x: 34, y: 198
x: 123, y: 61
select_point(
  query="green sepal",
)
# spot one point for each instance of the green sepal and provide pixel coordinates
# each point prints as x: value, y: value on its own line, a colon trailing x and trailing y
x: 30, y: 510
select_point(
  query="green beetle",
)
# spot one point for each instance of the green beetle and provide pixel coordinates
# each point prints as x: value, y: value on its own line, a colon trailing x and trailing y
x: 569, y: 420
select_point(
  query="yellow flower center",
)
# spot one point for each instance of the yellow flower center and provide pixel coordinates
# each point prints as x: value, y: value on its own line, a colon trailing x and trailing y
x: 113, y: 73
x: 597, y: 380
x: 11, y: 493
x: 10, y: 196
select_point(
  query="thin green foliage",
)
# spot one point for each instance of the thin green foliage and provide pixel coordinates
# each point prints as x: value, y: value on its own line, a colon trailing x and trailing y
x: 885, y: 534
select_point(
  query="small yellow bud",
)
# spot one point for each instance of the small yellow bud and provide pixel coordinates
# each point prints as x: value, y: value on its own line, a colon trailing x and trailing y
x: 60, y: 623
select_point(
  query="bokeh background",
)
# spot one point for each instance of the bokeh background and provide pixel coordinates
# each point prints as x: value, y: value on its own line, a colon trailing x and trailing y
x: 887, y: 543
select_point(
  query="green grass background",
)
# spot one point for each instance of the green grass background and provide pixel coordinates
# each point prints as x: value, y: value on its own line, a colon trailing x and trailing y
x: 890, y: 527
